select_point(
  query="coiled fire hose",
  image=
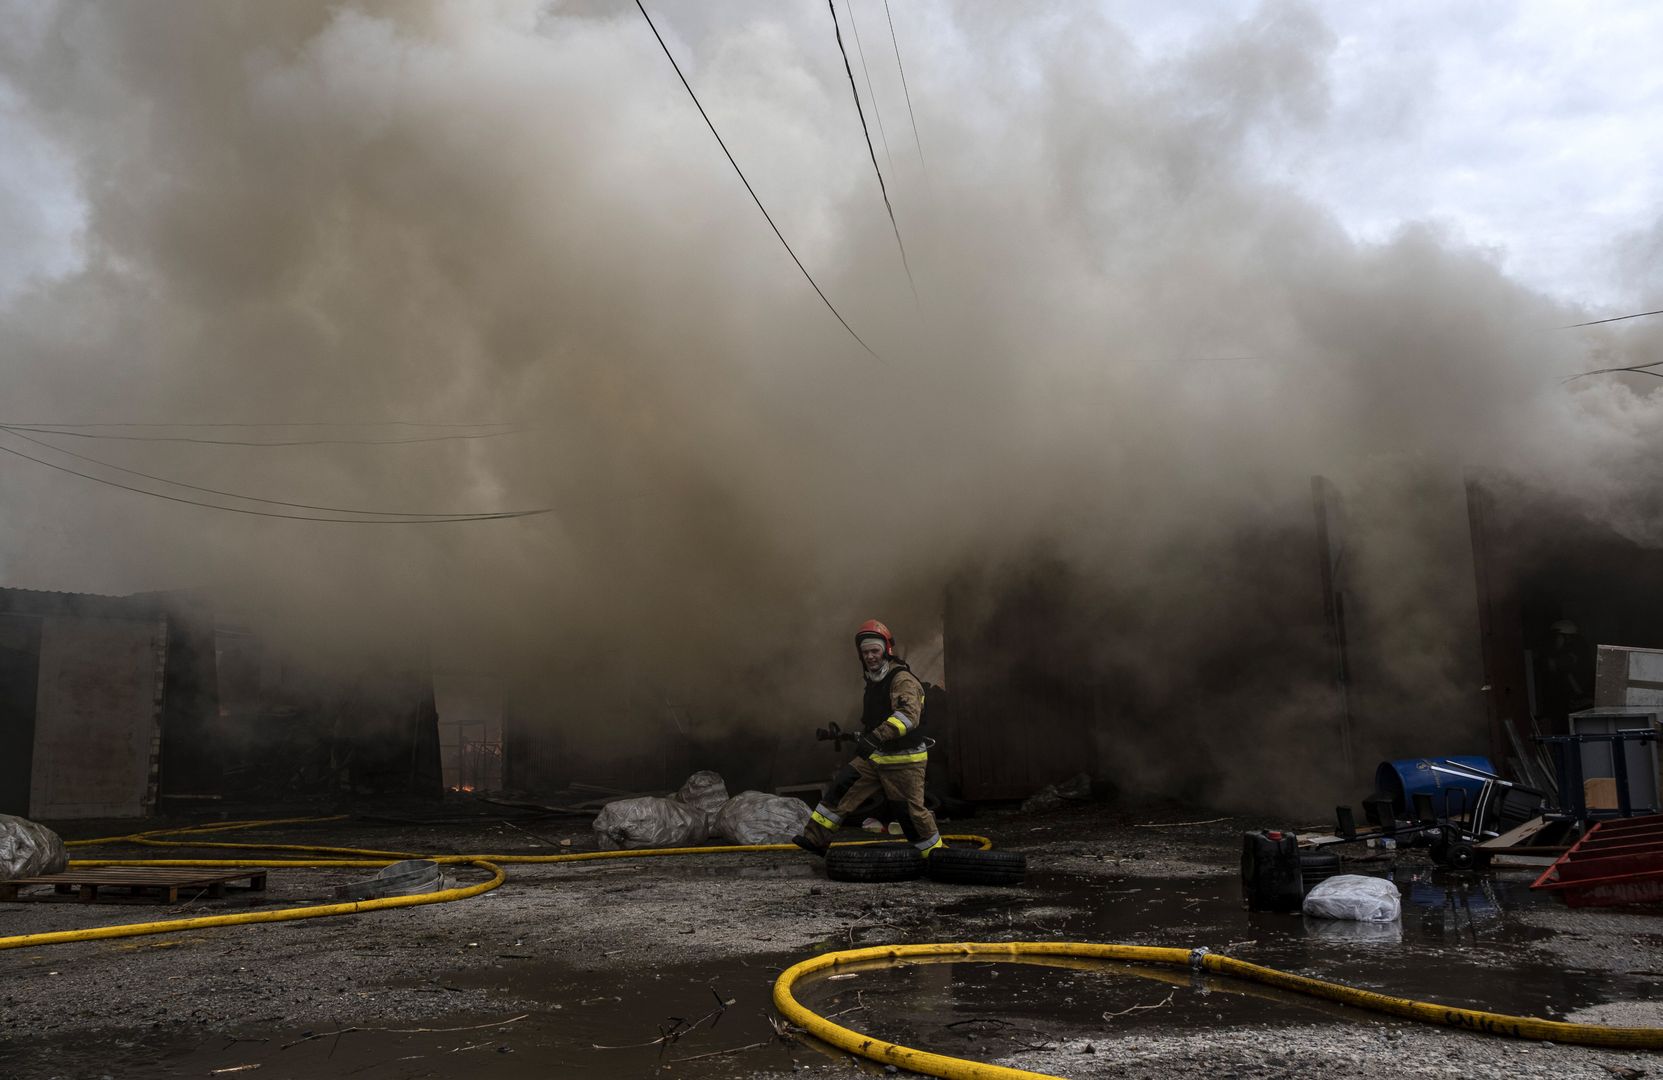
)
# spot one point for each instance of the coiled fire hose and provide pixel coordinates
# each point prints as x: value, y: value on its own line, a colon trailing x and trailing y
x: 1198, y: 960
x: 919, y: 1061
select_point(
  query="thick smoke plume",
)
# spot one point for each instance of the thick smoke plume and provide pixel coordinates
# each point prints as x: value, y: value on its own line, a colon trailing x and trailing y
x: 1131, y: 351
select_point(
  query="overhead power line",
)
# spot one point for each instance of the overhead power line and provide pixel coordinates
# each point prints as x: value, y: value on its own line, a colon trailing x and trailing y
x: 43, y: 430
x: 271, y: 513
x: 871, y: 94
x: 1638, y: 369
x: 251, y: 424
x: 16, y: 433
x: 832, y: 7
x: 754, y: 198
x: 895, y: 43
x: 1618, y: 318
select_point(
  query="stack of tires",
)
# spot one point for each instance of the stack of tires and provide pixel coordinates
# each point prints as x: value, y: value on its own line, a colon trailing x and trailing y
x: 902, y: 862
x: 1317, y: 866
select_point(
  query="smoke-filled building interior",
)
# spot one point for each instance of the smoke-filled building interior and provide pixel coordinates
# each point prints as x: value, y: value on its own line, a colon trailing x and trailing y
x: 982, y: 540
x: 1279, y: 650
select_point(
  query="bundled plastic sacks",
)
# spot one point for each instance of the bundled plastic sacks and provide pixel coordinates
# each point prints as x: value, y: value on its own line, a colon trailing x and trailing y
x: 27, y: 849
x: 1346, y: 932
x: 755, y: 817
x: 649, y: 822
x: 1354, y: 897
x: 704, y: 792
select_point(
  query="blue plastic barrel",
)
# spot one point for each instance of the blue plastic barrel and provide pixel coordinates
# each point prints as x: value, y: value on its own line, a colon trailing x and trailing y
x: 1437, y: 776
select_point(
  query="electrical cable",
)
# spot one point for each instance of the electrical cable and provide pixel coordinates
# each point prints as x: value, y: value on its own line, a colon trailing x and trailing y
x: 1637, y: 369
x: 1617, y: 318
x: 899, y: 67
x: 871, y: 94
x: 270, y: 513
x: 19, y: 433
x: 831, y: 6
x: 257, y: 442
x: 754, y: 197
x: 251, y: 424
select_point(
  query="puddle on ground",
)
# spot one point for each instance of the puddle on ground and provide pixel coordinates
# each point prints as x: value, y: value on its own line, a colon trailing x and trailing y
x: 693, y: 1022
x: 1458, y: 943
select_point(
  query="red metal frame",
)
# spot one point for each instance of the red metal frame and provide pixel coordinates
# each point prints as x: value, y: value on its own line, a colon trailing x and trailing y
x: 1618, y: 861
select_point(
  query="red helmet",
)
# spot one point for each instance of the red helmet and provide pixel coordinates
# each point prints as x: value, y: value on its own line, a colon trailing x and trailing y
x: 874, y: 628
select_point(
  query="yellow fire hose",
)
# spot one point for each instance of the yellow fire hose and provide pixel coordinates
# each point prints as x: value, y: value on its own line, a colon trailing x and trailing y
x: 1200, y: 960
x: 244, y: 918
x: 920, y: 1061
x: 209, y: 827
x: 367, y: 859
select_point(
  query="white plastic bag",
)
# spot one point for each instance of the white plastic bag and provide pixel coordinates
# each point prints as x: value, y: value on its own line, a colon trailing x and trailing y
x: 1354, y: 897
x: 28, y: 849
x: 755, y: 817
x: 705, y: 792
x: 649, y: 822
x: 1345, y: 932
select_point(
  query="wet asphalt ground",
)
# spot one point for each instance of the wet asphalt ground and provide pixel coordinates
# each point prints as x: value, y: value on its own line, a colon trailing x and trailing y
x: 663, y: 967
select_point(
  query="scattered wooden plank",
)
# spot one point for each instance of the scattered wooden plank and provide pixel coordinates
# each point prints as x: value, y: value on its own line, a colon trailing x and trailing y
x: 1516, y: 835
x: 1319, y: 841
x: 161, y: 884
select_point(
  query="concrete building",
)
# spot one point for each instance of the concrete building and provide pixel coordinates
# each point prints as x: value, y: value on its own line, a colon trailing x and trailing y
x: 81, y: 700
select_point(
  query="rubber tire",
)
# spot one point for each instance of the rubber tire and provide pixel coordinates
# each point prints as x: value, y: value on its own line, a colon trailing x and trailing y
x: 1316, y: 867
x: 874, y: 862
x: 1468, y: 858
x: 968, y: 866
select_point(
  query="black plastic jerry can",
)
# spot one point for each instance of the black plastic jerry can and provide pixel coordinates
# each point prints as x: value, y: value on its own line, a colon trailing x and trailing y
x: 1270, y: 871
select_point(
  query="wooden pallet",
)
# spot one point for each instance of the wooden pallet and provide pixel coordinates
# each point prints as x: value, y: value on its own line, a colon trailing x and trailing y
x: 133, y: 883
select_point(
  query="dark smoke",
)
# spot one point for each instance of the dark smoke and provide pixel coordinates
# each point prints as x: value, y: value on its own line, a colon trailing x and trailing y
x: 1133, y: 348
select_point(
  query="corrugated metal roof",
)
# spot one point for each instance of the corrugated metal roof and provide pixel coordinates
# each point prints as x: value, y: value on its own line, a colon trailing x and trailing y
x: 95, y: 605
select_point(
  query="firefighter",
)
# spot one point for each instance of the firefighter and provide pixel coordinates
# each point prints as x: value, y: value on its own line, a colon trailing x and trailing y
x: 895, y: 752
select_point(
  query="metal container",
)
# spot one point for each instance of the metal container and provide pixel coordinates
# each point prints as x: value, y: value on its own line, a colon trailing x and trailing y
x: 1270, y: 871
x: 1640, y: 759
x: 1403, y: 778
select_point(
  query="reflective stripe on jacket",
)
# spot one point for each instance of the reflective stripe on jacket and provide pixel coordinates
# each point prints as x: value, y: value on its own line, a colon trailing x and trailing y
x: 896, y: 701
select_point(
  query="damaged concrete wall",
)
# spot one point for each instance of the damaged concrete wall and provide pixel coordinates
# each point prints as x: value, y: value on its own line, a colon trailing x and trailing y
x: 19, y: 681
x: 97, y: 717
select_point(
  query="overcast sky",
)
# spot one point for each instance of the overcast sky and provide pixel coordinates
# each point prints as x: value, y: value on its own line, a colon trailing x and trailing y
x: 1530, y: 128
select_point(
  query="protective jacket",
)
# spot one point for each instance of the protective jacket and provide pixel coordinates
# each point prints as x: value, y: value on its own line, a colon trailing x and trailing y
x: 896, y: 700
